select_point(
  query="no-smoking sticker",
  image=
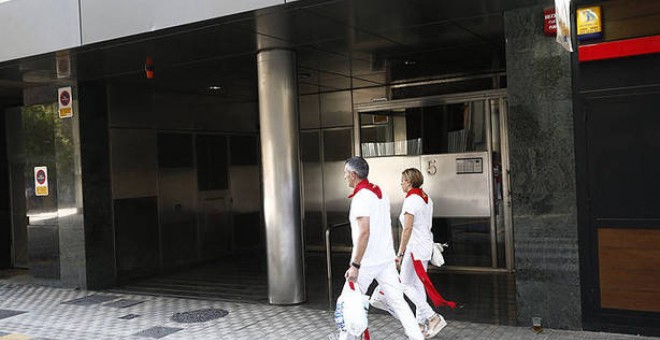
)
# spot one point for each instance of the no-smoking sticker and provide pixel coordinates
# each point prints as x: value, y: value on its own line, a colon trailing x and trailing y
x: 65, y: 102
x: 41, y: 181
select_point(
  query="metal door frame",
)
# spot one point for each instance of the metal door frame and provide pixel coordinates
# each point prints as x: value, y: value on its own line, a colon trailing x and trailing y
x: 487, y: 96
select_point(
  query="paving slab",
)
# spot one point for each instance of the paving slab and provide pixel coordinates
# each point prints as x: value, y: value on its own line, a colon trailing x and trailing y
x: 38, y: 312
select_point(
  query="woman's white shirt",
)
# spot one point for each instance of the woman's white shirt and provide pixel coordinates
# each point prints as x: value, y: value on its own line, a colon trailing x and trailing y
x: 421, y: 240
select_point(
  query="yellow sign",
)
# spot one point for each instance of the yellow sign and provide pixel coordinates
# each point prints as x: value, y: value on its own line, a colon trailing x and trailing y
x: 589, y: 22
x: 42, y: 191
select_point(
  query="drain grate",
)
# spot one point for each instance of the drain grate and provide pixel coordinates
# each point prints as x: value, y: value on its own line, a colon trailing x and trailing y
x: 123, y: 303
x: 90, y: 300
x: 7, y: 313
x: 201, y: 315
x: 157, y: 332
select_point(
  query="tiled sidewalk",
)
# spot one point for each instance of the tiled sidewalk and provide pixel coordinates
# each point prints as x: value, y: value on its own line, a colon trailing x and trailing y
x: 36, y: 312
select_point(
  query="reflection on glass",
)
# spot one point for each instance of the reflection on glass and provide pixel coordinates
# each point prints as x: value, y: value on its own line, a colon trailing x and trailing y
x: 438, y: 129
x: 468, y: 239
x: 497, y: 182
x: 313, y: 187
x: 337, y: 144
x: 41, y: 132
x: 389, y: 133
x: 337, y: 147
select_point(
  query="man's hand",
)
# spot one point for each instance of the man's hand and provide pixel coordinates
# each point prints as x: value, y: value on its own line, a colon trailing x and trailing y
x: 397, y: 261
x: 351, y: 274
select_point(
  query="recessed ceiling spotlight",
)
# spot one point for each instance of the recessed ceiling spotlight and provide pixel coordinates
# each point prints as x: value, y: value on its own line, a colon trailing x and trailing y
x: 409, y: 62
x: 215, y: 88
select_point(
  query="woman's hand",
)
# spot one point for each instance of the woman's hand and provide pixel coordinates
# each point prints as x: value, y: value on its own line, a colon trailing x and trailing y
x: 397, y: 261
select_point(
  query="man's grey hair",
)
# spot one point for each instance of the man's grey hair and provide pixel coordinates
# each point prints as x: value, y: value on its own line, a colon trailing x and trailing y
x: 358, y: 165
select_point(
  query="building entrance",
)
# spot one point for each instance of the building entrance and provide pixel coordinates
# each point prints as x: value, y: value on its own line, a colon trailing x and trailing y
x: 459, y: 143
x: 186, y: 195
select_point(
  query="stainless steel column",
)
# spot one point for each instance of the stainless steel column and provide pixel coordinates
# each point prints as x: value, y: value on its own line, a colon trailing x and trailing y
x: 280, y: 156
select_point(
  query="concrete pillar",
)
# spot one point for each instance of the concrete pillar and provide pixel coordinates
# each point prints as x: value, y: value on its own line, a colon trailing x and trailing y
x: 280, y: 155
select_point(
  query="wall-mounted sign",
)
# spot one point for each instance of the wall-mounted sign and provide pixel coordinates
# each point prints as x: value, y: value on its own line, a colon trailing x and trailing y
x: 549, y: 22
x: 40, y: 181
x: 469, y: 165
x: 65, y: 102
x: 63, y: 64
x: 381, y: 119
x: 589, y: 23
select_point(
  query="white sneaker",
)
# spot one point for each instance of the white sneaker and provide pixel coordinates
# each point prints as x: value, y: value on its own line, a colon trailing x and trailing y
x: 435, y: 325
x: 382, y: 305
x: 379, y: 304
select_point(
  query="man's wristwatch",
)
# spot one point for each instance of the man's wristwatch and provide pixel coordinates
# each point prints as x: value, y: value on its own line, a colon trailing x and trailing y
x: 355, y: 264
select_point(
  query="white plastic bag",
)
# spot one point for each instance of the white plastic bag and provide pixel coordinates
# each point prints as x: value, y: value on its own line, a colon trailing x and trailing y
x: 563, y: 16
x: 437, y: 259
x: 379, y: 301
x: 351, y: 311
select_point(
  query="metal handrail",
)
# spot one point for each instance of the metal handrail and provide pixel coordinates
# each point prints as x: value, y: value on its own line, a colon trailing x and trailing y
x: 328, y: 255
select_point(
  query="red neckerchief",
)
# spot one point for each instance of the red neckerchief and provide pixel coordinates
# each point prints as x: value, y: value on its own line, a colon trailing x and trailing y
x: 419, y: 192
x: 369, y: 186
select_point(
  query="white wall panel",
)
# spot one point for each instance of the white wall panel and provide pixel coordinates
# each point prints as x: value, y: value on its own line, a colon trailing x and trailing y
x: 29, y: 27
x: 105, y: 20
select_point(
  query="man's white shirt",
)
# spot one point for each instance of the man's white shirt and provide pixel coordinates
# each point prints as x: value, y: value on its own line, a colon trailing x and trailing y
x: 380, y: 248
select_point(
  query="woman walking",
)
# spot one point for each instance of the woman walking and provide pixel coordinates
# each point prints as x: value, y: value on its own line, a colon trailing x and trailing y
x: 415, y: 251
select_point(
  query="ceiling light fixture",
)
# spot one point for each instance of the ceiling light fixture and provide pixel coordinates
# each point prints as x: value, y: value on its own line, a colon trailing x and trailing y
x: 215, y: 88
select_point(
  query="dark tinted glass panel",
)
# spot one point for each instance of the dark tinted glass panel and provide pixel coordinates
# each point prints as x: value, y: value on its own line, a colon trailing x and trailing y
x: 337, y: 145
x: 175, y: 150
x: 427, y: 130
x: 136, y: 232
x: 434, y: 124
x: 391, y: 132
x: 468, y: 239
x: 309, y: 147
x: 414, y: 123
x: 212, y: 167
x: 244, y: 150
x: 623, y: 134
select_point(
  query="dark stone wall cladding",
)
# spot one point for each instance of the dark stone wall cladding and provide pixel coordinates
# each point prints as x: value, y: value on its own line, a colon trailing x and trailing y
x: 543, y: 173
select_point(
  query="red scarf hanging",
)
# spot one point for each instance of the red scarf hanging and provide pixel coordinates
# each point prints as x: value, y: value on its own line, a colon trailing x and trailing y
x: 419, y: 192
x: 364, y: 184
x: 437, y: 299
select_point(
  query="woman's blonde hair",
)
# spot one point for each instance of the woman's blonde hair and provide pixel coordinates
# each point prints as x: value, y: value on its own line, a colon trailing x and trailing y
x: 414, y: 176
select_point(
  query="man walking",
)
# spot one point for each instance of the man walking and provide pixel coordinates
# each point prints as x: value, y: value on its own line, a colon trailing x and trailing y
x: 373, y: 248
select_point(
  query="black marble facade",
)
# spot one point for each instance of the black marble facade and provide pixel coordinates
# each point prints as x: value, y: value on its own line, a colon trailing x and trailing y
x: 5, y: 206
x: 542, y: 173
x: 69, y: 198
x: 96, y: 185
